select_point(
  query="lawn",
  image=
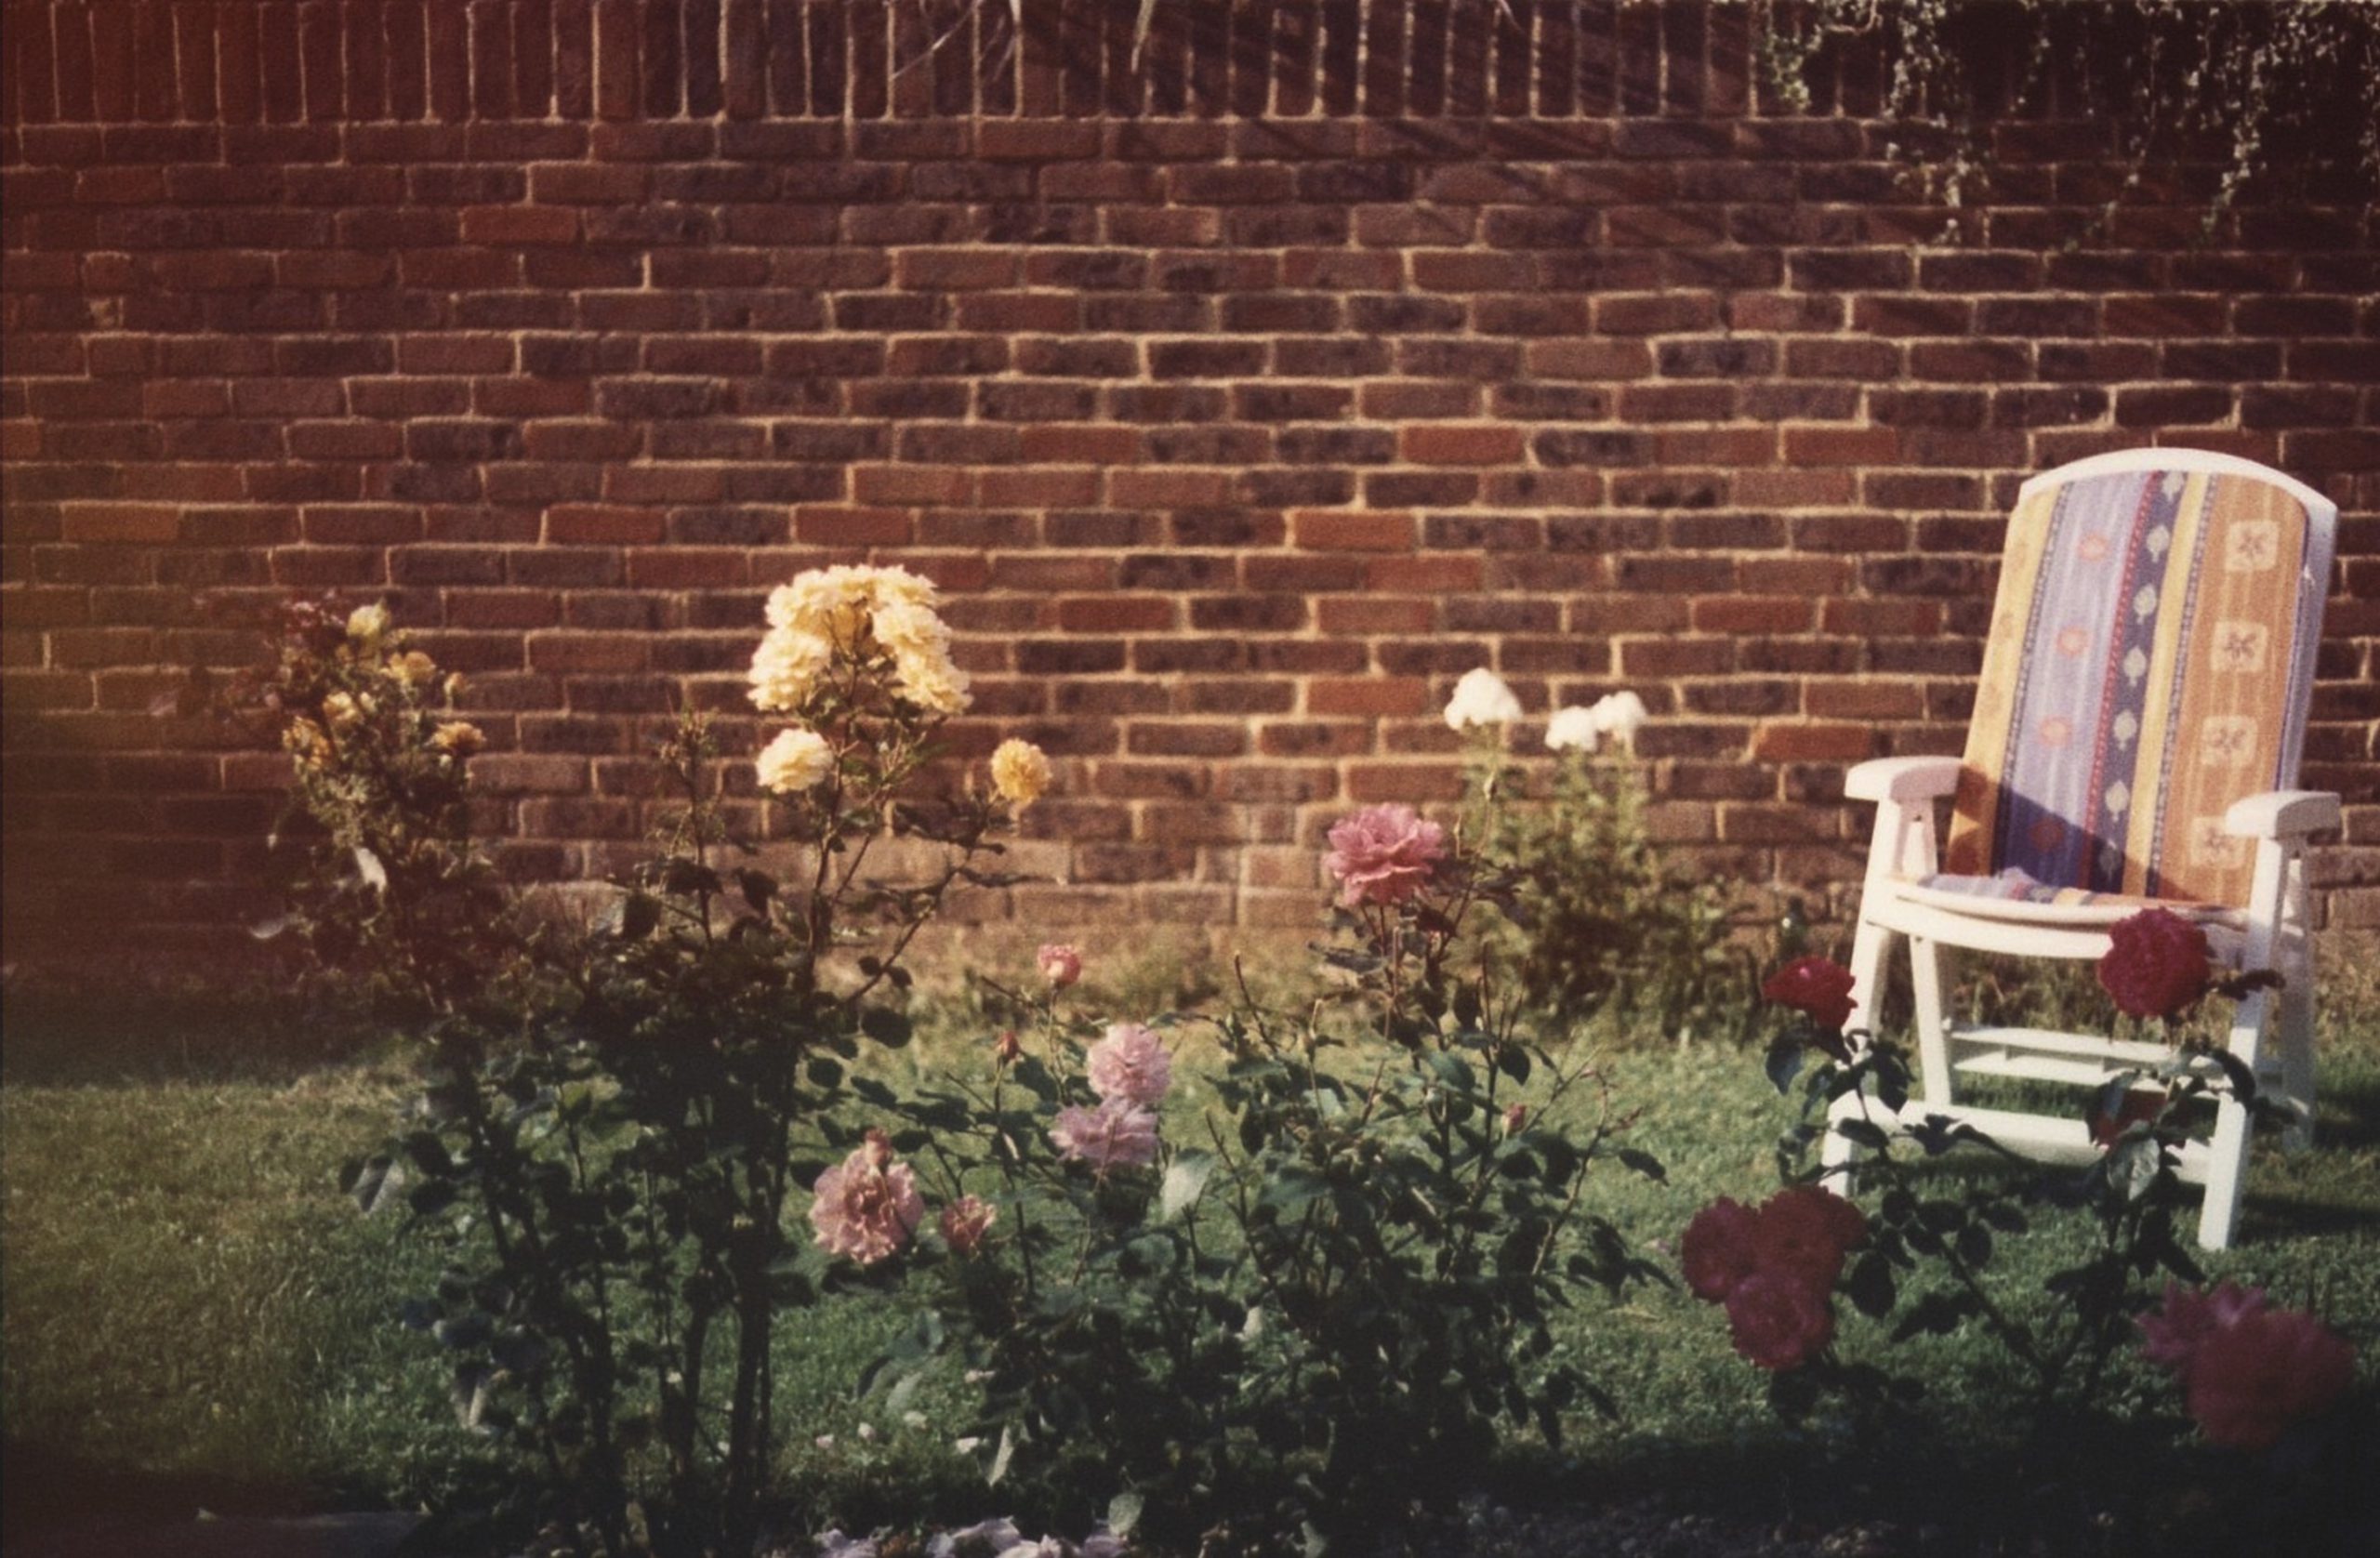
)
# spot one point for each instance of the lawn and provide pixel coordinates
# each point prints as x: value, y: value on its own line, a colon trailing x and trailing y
x: 194, y: 1315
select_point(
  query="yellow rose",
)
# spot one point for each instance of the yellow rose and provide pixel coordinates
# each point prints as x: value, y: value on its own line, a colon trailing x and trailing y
x: 786, y: 669
x: 343, y: 712
x: 306, y: 742
x: 929, y: 681
x: 1020, y: 772
x: 459, y: 737
x: 413, y: 667
x: 366, y: 623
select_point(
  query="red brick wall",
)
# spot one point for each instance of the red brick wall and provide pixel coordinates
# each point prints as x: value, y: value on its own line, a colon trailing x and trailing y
x: 1240, y: 402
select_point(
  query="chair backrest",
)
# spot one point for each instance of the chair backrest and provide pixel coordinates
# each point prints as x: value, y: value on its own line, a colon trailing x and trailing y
x: 2150, y: 661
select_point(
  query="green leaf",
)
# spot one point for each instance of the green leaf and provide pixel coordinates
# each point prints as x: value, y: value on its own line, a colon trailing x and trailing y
x: 889, y: 1028
x: 1783, y: 1063
x: 686, y: 877
x: 1000, y: 1457
x: 758, y: 887
x: 1124, y: 1512
x: 1454, y: 1071
x: 368, y: 867
x: 1184, y: 1182
x: 1644, y: 1163
x: 640, y: 917
x: 1865, y: 1133
x: 1871, y: 1286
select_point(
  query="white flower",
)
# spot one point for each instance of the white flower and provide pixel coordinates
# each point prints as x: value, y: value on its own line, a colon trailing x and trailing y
x: 1573, y: 729
x: 996, y: 1535
x: 786, y: 669
x: 798, y: 760
x: 908, y: 628
x: 1020, y: 772
x: 1621, y: 715
x: 1481, y: 698
x: 931, y: 682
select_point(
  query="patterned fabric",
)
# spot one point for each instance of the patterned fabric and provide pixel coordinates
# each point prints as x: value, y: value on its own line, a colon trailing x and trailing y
x: 2151, y: 657
x: 2012, y: 886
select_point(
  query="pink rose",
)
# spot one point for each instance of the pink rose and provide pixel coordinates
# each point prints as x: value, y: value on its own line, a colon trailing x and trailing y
x: 1061, y: 965
x: 1007, y: 1048
x: 965, y: 1221
x: 2156, y: 964
x: 2251, y: 1380
x: 1816, y: 986
x: 2172, y: 1337
x: 1776, y: 1321
x: 1515, y: 1118
x: 867, y: 1205
x: 1118, y: 1134
x: 1383, y: 854
x: 1717, y: 1251
x: 1130, y: 1064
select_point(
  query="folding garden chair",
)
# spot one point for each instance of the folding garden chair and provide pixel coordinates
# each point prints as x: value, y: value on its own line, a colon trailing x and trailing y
x: 2135, y: 740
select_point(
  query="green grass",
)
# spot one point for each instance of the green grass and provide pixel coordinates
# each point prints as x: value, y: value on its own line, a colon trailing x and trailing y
x: 194, y: 1314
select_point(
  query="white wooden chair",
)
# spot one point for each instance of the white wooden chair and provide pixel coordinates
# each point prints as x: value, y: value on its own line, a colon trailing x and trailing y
x: 2135, y: 737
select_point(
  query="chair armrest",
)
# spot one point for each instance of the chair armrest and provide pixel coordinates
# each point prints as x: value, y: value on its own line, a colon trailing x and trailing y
x: 1902, y: 779
x: 2282, y: 814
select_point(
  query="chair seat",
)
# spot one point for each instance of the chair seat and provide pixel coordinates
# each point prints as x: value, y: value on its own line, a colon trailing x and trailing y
x: 2013, y: 895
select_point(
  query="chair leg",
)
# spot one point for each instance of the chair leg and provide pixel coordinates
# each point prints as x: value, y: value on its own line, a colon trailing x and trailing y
x: 1928, y: 988
x: 2297, y: 1037
x: 1870, y: 947
x: 2296, y: 1016
x: 2269, y: 942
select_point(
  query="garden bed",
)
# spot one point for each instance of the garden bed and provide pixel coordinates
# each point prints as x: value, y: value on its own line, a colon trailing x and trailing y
x: 195, y: 1316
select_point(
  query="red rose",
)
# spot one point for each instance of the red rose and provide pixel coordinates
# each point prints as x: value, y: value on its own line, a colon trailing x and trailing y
x: 1804, y: 1232
x: 2140, y: 1105
x: 2251, y: 1380
x: 1776, y: 1321
x: 2156, y: 964
x: 2172, y: 1337
x: 1716, y: 1252
x: 1816, y: 986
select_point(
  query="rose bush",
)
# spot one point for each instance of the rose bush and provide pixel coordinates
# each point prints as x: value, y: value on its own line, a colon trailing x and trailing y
x: 1322, y: 1304
x: 1599, y: 922
x: 620, y: 1129
x: 1925, y: 1255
